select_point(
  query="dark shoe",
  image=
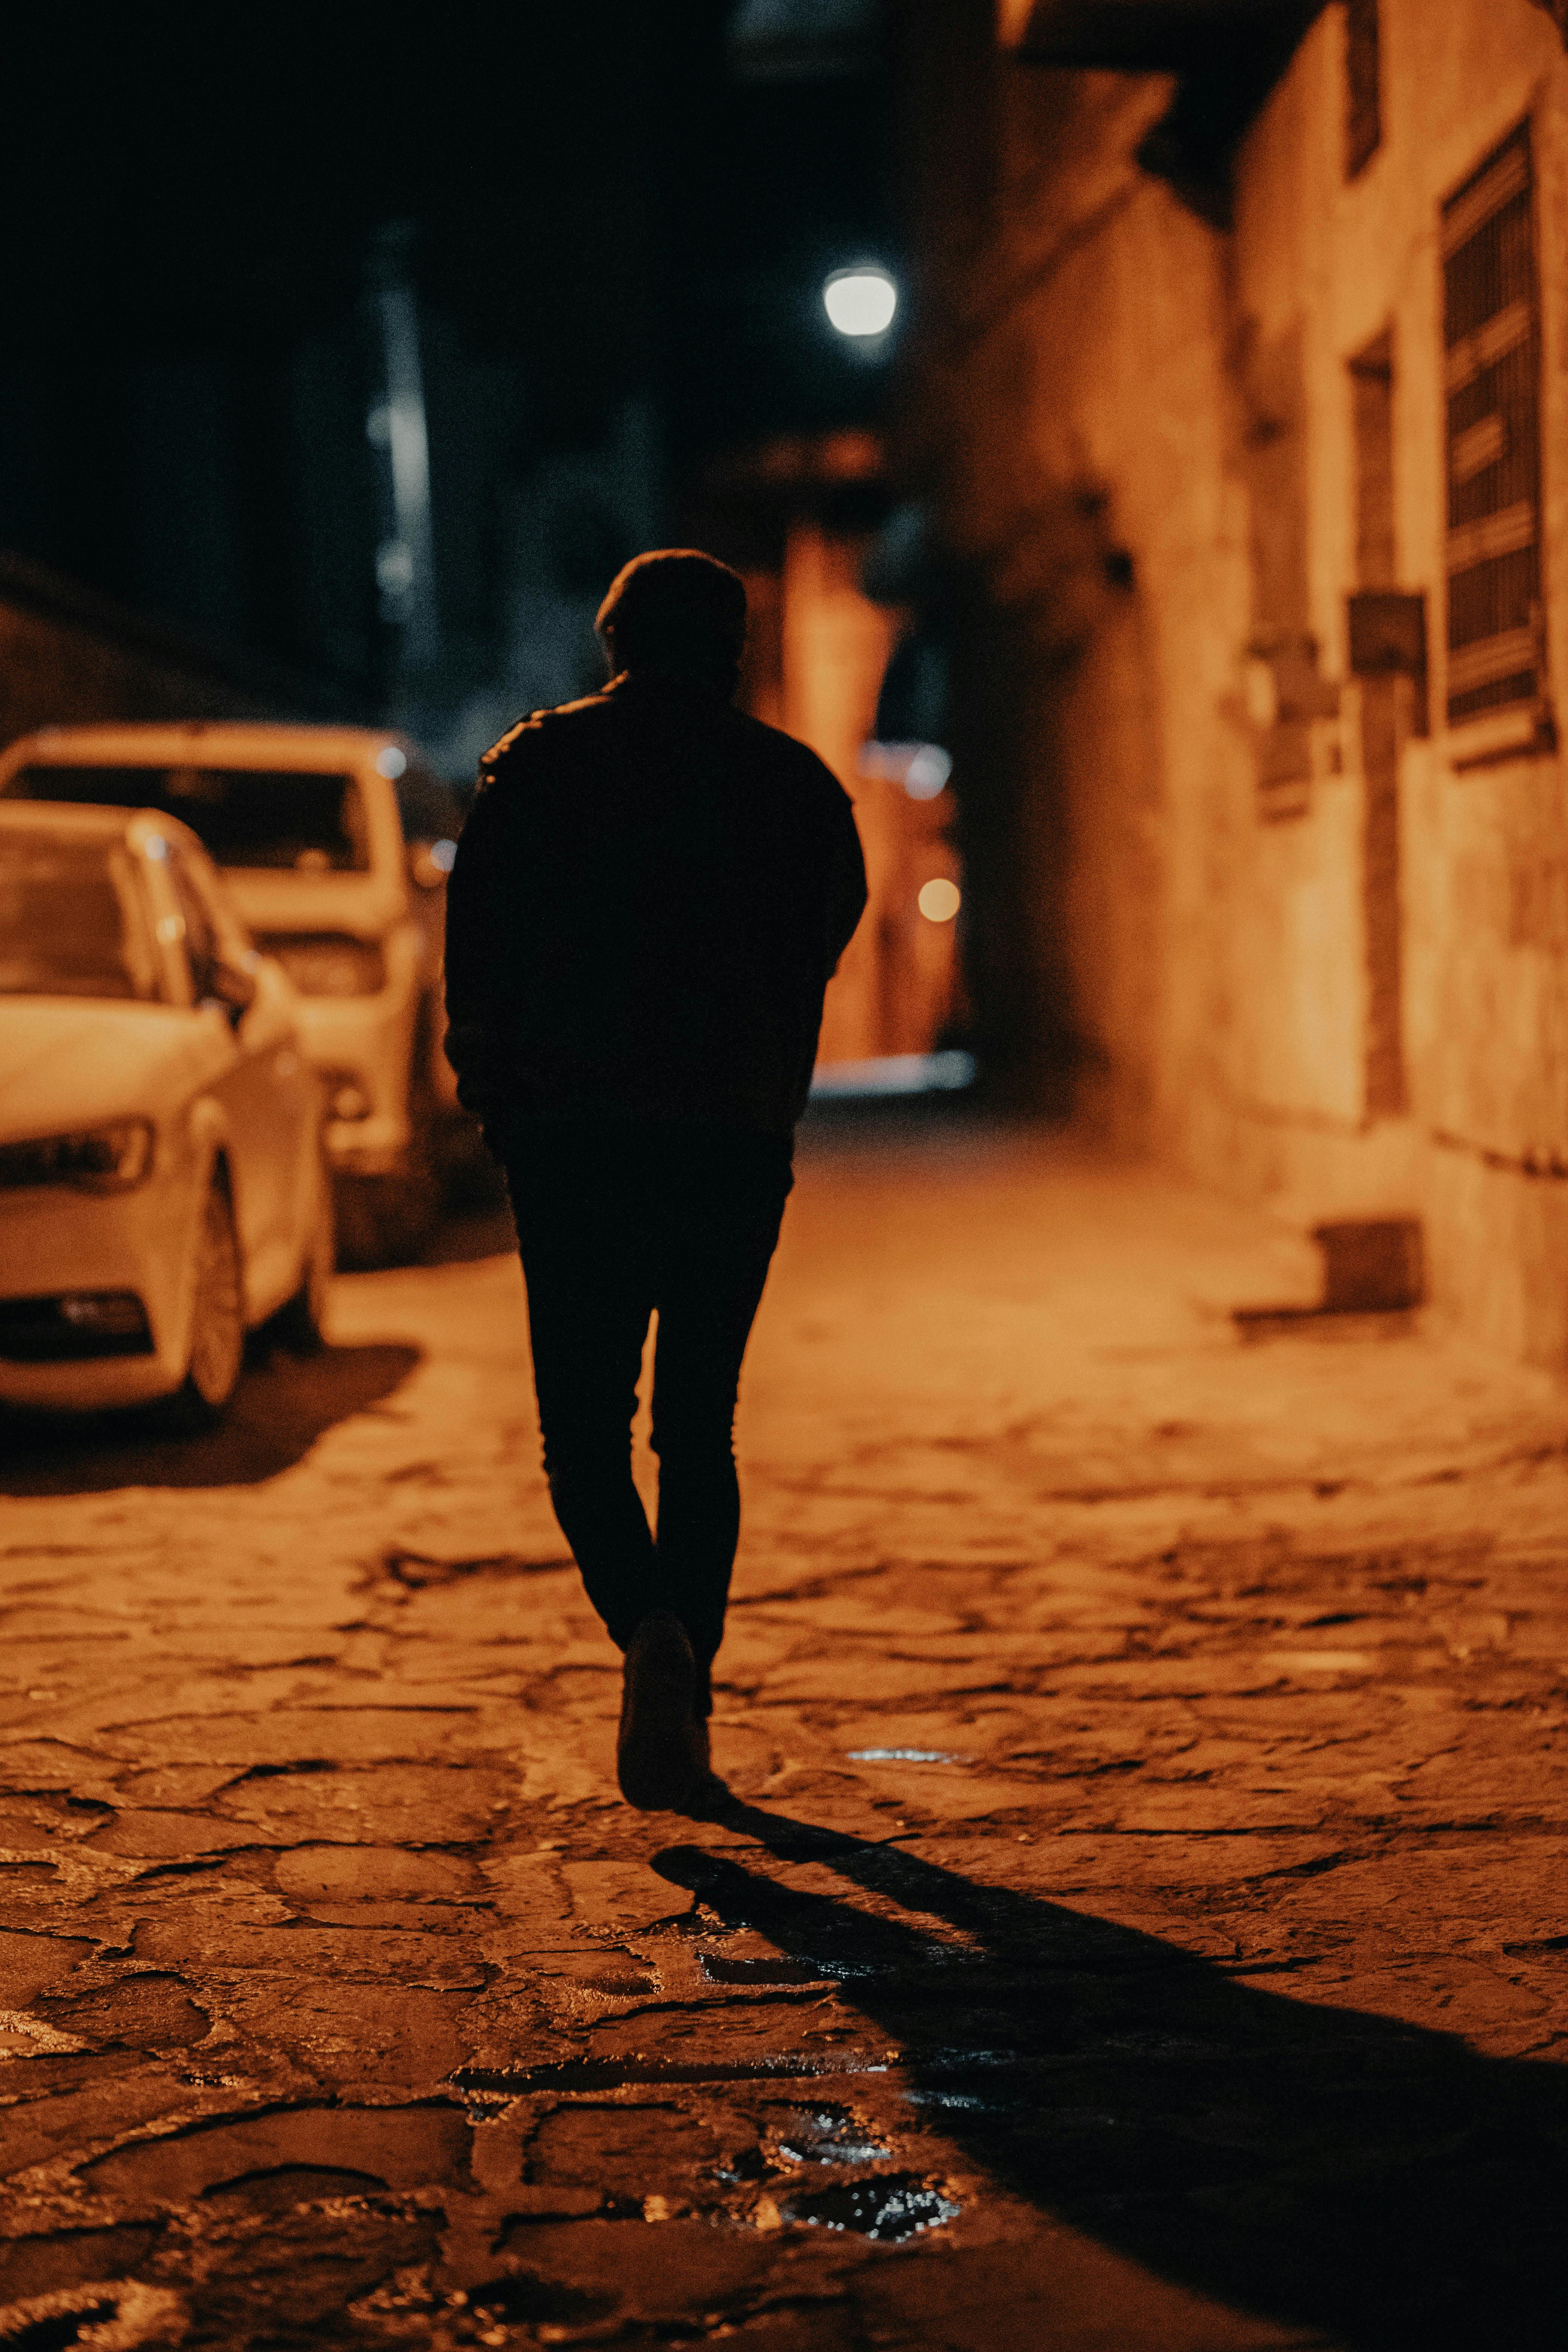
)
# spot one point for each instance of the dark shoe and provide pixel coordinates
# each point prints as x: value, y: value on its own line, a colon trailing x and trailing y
x: 709, y: 1800
x: 661, y: 1752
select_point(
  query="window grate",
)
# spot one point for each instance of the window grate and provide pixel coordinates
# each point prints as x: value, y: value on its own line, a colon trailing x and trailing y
x: 1364, y: 112
x: 1492, y: 342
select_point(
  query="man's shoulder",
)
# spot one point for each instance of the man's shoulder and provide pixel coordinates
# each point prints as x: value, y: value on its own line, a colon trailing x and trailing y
x: 556, y: 740
x: 538, y: 731
x: 786, y: 755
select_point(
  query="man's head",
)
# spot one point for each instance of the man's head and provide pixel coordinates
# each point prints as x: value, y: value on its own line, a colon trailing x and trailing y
x: 676, y: 609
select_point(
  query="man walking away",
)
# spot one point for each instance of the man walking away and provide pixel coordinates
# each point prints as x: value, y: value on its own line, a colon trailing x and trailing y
x: 649, y: 896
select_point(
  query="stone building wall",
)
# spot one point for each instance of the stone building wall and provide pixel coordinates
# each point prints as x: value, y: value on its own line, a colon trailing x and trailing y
x: 1290, y: 939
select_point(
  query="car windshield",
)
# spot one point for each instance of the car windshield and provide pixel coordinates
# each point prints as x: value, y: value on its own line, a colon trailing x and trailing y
x: 71, y: 918
x: 293, y: 818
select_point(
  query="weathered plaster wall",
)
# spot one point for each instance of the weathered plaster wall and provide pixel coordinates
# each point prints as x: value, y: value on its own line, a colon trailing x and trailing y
x: 1203, y: 906
x: 1485, y: 946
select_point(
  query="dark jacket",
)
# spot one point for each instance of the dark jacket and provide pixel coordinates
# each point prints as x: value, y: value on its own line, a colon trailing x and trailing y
x: 649, y: 896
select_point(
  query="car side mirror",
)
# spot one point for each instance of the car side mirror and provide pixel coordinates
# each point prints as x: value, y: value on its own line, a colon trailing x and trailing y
x: 233, y: 988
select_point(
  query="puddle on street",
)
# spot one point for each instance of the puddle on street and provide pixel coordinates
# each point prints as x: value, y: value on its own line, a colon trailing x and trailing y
x: 965, y: 2102
x: 903, y: 1756
x: 889, y: 2207
x: 827, y: 2136
x: 886, y: 2206
x: 954, y: 2060
x: 719, y: 1969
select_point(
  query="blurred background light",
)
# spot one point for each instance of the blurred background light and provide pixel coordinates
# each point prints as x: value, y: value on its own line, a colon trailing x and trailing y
x: 927, y: 772
x: 945, y: 1072
x: 922, y: 769
x: 860, y: 303
x: 938, y: 900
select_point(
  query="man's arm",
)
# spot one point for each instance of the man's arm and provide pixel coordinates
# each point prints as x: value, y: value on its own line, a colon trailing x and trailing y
x: 846, y: 876
x: 480, y: 883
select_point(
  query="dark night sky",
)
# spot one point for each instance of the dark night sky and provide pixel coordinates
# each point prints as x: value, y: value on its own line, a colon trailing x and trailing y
x: 595, y: 194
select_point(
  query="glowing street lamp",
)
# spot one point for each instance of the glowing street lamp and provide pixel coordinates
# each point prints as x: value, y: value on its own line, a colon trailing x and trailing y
x: 860, y: 303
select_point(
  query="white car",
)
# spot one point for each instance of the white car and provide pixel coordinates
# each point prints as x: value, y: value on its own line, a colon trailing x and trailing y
x: 162, y: 1185
x: 335, y: 844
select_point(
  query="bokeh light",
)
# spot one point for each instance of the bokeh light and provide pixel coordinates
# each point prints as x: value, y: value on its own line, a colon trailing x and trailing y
x: 928, y: 772
x: 860, y: 303
x: 938, y: 900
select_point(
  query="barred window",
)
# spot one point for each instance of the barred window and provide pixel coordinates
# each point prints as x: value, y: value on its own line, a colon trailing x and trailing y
x: 1363, y: 116
x: 1491, y: 335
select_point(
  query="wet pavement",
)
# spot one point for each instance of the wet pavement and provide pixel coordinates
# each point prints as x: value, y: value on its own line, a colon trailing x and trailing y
x: 1141, y: 1924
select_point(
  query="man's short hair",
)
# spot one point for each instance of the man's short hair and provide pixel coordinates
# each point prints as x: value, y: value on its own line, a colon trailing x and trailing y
x: 676, y: 608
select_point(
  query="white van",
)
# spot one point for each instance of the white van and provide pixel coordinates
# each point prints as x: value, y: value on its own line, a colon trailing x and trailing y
x: 335, y: 843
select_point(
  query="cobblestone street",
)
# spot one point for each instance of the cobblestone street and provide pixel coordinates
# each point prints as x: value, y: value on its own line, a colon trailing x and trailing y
x: 1142, y: 1926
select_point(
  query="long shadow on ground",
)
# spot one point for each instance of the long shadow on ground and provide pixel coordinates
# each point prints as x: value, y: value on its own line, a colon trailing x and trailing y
x: 1318, y: 2166
x: 283, y: 1405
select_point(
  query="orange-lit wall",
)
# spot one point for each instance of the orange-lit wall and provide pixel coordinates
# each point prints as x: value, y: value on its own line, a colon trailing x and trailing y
x: 894, y: 988
x: 1093, y: 347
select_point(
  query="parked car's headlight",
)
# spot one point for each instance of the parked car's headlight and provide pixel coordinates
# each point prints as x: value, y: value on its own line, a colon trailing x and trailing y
x: 328, y: 963
x: 97, y: 1158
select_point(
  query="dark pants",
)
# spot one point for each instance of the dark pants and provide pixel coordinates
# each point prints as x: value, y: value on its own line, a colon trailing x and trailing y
x: 615, y: 1220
